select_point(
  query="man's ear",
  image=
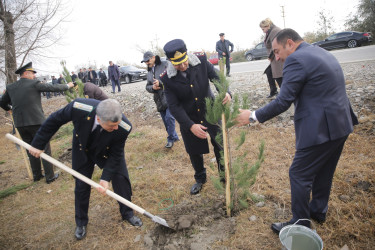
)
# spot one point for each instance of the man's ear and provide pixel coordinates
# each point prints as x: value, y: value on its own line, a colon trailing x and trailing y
x: 98, y: 119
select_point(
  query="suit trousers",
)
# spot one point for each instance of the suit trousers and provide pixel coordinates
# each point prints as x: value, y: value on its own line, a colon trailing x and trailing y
x: 169, y: 123
x: 27, y: 134
x: 271, y: 80
x: 312, y: 171
x: 120, y: 184
x: 200, y: 175
x: 114, y: 84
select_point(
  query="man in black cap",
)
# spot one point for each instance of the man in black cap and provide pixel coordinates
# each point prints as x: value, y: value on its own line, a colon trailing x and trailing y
x: 155, y: 67
x: 222, y: 48
x: 23, y: 97
x: 186, y: 85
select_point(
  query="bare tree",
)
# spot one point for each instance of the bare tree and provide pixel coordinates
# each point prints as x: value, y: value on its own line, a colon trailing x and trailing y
x: 29, y: 29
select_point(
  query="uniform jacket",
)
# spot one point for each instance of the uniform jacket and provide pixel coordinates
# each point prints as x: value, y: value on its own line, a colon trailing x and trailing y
x: 186, y: 98
x: 224, y: 47
x: 24, y: 96
x: 159, y: 96
x: 314, y: 82
x: 94, y: 92
x: 113, y: 72
x: 276, y: 66
x: 108, y: 152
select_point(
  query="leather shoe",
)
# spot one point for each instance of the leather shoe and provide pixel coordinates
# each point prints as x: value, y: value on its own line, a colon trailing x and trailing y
x: 53, y: 178
x: 169, y: 144
x: 135, y: 221
x: 196, y: 188
x: 80, y: 232
x: 272, y: 94
x: 276, y: 227
x: 320, y: 219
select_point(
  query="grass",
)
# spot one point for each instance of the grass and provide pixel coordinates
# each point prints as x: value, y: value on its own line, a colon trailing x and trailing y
x: 12, y: 190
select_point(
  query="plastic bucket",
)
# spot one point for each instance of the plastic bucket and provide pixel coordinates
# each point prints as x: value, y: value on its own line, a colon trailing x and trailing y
x: 298, y: 237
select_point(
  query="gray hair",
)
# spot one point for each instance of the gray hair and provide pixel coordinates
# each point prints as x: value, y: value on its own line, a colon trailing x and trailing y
x: 109, y: 110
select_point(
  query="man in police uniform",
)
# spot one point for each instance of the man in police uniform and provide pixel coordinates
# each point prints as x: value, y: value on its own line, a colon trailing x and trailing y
x: 23, y: 97
x: 186, y: 85
x: 100, y: 132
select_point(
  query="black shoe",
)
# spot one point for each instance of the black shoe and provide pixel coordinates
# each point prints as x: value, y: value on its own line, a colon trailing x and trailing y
x: 169, y: 144
x: 320, y: 219
x: 222, y: 180
x: 38, y: 178
x: 196, y: 188
x: 228, y: 75
x: 272, y: 94
x: 80, y: 232
x: 135, y: 221
x: 276, y: 227
x: 53, y: 178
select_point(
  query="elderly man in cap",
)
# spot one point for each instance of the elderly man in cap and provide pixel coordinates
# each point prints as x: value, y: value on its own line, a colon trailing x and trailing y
x: 24, y: 98
x: 155, y: 68
x: 222, y: 48
x: 186, y: 85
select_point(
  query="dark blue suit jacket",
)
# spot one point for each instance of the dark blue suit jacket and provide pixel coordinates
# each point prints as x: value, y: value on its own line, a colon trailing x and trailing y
x: 108, y: 152
x: 314, y: 81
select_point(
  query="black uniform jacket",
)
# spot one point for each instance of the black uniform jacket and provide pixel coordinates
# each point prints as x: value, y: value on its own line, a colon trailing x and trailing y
x: 186, y: 98
x: 108, y: 152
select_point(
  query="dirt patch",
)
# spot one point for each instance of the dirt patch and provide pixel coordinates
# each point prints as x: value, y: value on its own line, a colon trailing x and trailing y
x: 197, y: 223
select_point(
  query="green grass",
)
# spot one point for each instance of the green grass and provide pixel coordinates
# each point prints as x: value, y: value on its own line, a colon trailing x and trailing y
x: 12, y: 190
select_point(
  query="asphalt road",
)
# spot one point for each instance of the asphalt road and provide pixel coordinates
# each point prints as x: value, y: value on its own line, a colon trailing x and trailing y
x: 343, y: 56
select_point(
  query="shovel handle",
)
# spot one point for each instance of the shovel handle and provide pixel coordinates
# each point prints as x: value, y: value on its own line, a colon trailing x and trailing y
x: 76, y: 174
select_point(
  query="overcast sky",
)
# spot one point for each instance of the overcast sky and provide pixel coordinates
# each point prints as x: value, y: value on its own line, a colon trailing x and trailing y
x: 100, y: 31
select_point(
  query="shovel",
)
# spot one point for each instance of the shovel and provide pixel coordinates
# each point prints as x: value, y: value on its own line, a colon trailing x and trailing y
x: 92, y: 183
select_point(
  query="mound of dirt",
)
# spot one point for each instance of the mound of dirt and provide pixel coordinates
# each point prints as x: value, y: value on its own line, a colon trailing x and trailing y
x: 195, y: 224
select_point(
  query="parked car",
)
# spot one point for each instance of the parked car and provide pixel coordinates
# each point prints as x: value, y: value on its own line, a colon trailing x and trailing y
x: 214, y: 58
x: 350, y: 39
x: 259, y: 52
x: 130, y: 74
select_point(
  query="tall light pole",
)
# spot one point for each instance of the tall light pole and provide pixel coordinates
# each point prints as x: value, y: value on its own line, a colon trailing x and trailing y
x: 283, y: 14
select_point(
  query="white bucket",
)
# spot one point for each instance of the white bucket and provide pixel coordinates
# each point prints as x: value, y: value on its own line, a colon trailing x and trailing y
x: 298, y: 237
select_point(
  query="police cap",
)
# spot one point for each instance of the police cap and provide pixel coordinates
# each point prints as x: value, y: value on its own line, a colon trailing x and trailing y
x: 26, y: 67
x: 176, y: 51
x: 221, y: 34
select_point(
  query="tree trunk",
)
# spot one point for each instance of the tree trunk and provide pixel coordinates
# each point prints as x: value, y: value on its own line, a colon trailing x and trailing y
x: 10, y: 50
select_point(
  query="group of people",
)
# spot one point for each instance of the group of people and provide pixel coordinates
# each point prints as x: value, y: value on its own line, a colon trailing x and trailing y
x: 312, y: 79
x: 92, y: 76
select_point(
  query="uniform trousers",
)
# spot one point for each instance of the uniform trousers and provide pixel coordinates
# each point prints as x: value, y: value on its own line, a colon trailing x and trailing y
x: 312, y: 172
x: 82, y: 191
x: 27, y: 134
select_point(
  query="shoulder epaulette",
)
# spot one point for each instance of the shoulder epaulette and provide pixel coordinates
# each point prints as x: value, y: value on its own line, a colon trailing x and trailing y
x: 162, y: 74
x: 125, y: 126
x: 199, y: 53
x: 82, y: 106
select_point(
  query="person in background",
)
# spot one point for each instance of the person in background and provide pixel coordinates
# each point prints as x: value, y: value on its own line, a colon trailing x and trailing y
x: 74, y: 76
x: 92, y: 76
x: 114, y: 76
x: 100, y: 132
x: 155, y: 68
x: 81, y: 75
x: 323, y: 119
x: 23, y: 97
x: 274, y: 71
x: 186, y: 86
x: 102, y: 78
x: 222, y: 48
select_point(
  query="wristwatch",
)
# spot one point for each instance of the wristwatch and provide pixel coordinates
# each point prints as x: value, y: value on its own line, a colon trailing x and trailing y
x: 251, y: 119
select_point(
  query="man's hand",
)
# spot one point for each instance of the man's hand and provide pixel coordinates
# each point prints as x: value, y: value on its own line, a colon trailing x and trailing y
x: 35, y: 152
x: 224, y: 54
x: 156, y: 85
x: 199, y: 131
x: 104, y: 186
x: 243, y: 117
x: 227, y: 98
x: 70, y: 84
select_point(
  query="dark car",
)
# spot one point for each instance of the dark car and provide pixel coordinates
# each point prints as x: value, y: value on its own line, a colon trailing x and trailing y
x: 214, y: 58
x: 350, y: 39
x: 130, y: 74
x: 259, y: 52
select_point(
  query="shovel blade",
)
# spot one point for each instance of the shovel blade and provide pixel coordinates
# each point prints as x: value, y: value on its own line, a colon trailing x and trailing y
x: 159, y: 220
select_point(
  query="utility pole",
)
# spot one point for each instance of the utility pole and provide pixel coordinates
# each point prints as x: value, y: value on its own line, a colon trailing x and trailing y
x: 283, y: 14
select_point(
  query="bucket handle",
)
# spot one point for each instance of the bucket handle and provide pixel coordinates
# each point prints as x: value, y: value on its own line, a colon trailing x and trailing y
x: 297, y: 222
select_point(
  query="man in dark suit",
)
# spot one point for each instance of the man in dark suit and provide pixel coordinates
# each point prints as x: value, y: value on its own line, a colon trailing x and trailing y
x: 186, y: 85
x: 100, y: 132
x: 92, y: 76
x: 323, y: 119
x: 23, y: 97
x: 222, y: 48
